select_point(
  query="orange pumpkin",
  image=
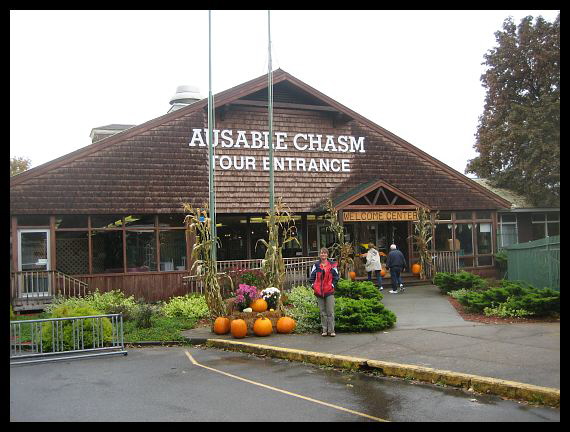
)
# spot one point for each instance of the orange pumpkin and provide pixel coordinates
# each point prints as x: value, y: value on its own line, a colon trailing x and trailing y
x: 416, y: 268
x: 262, y: 327
x: 259, y: 305
x: 286, y: 325
x: 222, y: 325
x: 238, y: 328
x: 352, y: 275
x: 382, y: 272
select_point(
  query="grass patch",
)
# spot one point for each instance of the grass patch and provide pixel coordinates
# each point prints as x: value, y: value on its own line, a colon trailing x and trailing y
x: 163, y: 329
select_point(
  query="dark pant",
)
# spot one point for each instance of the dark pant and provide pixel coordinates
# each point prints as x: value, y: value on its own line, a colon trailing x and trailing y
x: 396, y: 279
x: 378, y: 277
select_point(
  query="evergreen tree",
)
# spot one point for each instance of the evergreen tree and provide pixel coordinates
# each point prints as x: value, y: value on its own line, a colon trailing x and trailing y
x: 518, y: 136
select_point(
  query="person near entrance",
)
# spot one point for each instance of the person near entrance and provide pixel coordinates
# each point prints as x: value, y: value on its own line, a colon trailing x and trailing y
x: 373, y: 264
x: 324, y: 276
x: 396, y: 262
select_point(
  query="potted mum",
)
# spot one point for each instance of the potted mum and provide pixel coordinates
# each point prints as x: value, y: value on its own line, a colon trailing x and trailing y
x: 271, y: 296
x: 245, y: 295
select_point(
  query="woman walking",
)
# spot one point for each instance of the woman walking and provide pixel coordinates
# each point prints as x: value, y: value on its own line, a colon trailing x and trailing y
x: 324, y: 276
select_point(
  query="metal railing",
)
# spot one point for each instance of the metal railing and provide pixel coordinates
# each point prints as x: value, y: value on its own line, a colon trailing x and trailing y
x: 50, y: 339
x: 296, y: 271
x: 30, y: 288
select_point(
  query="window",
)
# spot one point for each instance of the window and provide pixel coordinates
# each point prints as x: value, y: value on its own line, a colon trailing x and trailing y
x: 545, y: 225
x: 463, y: 215
x: 484, y: 238
x: 443, y: 237
x: 507, y: 231
x: 141, y: 251
x: 107, y: 251
x: 464, y: 233
x: 172, y: 250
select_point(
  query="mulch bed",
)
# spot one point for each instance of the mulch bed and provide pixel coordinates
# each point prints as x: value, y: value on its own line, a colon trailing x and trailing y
x: 481, y: 318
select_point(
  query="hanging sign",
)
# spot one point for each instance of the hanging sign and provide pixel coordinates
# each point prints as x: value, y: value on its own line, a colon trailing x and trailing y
x: 379, y: 216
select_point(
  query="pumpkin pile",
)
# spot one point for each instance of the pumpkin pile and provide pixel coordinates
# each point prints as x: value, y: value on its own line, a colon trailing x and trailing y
x: 248, y: 313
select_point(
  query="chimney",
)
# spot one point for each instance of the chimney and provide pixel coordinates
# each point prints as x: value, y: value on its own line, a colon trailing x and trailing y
x: 185, y: 95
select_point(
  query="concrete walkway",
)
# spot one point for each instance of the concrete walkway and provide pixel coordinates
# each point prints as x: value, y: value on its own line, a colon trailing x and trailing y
x: 430, y: 333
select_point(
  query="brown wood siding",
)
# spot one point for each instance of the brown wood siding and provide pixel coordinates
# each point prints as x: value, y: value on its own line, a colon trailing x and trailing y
x: 155, y: 170
x: 151, y: 287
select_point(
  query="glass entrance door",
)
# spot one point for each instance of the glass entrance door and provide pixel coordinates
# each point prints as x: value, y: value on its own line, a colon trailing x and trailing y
x: 34, y: 263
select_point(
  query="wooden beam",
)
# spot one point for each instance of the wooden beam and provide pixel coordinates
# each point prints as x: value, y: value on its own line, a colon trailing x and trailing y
x: 286, y: 105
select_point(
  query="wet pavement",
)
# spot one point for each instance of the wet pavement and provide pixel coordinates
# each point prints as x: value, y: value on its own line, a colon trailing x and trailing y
x: 163, y: 384
x: 429, y: 332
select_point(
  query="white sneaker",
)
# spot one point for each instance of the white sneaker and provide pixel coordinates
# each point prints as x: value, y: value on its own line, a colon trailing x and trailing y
x: 381, y: 289
x: 393, y: 292
x: 401, y: 285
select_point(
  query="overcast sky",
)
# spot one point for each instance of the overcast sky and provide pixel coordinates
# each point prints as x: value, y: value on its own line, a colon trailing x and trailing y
x: 415, y: 73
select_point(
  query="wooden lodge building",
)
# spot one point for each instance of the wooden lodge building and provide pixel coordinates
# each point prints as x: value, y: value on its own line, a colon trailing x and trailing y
x: 110, y: 214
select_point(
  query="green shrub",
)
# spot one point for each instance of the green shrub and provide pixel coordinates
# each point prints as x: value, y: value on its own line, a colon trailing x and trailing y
x: 463, y: 280
x: 362, y: 312
x: 142, y: 315
x: 357, y: 290
x: 504, y: 310
x: 66, y: 328
x: 359, y: 315
x: 514, y: 296
x: 110, y: 302
x: 304, y: 310
x: 190, y: 306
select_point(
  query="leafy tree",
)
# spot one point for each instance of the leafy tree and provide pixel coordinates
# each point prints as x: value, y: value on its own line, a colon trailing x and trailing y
x: 518, y: 136
x: 18, y: 165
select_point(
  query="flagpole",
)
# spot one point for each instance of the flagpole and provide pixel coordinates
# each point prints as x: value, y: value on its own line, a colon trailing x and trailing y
x: 270, y: 97
x: 211, y: 142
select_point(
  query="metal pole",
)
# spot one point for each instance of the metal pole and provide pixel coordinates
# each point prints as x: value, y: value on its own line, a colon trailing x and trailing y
x: 211, y: 142
x: 270, y: 97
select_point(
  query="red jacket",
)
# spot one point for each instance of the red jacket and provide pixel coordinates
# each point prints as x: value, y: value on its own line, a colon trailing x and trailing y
x: 324, y: 281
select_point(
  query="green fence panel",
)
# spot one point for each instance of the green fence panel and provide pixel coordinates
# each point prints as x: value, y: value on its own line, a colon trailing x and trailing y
x: 536, y: 262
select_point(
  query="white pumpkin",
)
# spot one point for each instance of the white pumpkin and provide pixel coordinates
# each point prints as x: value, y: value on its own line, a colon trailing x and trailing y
x: 248, y: 310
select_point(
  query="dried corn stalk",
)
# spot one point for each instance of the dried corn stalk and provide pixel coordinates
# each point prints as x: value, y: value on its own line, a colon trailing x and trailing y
x: 198, y: 222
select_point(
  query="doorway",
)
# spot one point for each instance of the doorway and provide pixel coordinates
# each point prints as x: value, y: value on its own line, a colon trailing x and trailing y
x: 34, y: 262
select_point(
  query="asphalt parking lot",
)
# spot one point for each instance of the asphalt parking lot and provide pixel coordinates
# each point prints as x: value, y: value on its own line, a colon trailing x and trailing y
x: 197, y: 384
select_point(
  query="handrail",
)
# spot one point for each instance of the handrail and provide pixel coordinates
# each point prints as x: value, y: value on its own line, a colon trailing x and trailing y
x: 35, y: 286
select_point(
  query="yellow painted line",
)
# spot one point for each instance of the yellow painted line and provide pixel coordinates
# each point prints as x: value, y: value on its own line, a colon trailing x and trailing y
x: 284, y: 391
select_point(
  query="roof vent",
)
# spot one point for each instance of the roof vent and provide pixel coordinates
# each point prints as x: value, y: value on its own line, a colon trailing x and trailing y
x: 185, y: 95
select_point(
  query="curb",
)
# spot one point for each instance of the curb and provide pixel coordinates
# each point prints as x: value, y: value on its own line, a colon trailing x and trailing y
x: 509, y: 389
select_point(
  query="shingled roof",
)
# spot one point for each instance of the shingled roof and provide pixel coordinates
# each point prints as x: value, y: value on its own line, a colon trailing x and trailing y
x: 150, y: 168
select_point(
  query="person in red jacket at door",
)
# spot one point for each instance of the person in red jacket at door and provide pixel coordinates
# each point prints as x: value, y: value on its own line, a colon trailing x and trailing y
x: 324, y: 276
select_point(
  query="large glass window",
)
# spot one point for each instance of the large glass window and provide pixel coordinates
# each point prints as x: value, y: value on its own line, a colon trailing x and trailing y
x: 33, y: 220
x: 232, y: 233
x: 141, y: 251
x: 72, y: 250
x: 545, y: 224
x: 71, y: 221
x: 106, y: 221
x: 464, y: 233
x: 443, y: 237
x: 484, y: 238
x: 107, y: 251
x: 507, y: 231
x: 172, y: 250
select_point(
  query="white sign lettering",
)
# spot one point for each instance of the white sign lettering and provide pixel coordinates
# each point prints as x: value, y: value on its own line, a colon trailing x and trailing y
x: 257, y: 140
